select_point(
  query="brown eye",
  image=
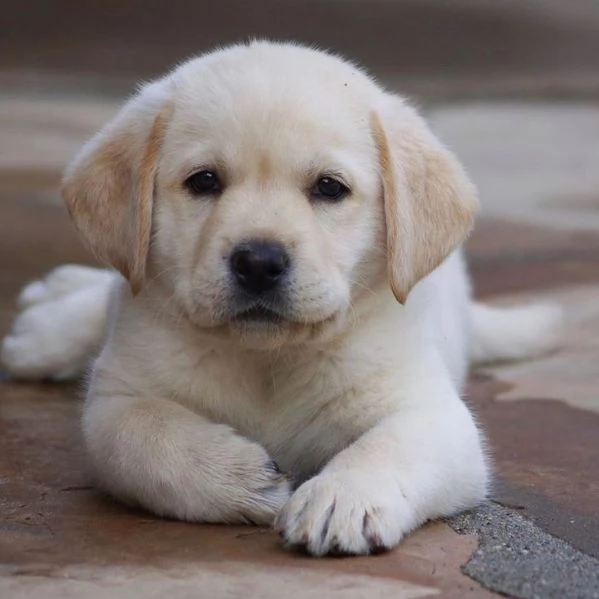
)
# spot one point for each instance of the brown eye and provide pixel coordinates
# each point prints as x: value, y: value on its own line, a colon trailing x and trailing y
x: 204, y: 183
x: 329, y: 188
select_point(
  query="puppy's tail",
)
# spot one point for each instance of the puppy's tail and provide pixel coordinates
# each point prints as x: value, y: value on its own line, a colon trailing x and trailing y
x: 514, y: 333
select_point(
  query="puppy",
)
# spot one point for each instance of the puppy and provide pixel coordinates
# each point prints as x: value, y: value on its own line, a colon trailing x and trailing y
x: 293, y: 326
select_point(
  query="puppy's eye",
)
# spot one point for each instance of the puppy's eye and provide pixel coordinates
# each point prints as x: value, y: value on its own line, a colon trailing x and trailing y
x: 204, y: 183
x: 329, y: 188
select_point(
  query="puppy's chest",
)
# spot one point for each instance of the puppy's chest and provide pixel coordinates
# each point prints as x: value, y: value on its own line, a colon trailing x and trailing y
x: 303, y: 413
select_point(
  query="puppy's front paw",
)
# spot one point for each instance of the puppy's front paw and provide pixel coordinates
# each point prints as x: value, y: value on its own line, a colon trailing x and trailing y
x: 230, y: 480
x: 262, y: 494
x: 345, y: 513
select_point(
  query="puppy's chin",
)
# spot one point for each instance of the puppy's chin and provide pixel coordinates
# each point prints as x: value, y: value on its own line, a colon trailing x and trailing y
x: 264, y: 332
x: 273, y: 335
x: 261, y: 334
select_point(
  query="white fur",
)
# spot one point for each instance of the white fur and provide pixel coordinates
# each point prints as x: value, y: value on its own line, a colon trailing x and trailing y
x: 359, y: 403
x: 515, y: 332
x: 61, y: 324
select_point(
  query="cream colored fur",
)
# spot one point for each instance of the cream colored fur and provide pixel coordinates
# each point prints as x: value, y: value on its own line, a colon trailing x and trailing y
x: 354, y: 397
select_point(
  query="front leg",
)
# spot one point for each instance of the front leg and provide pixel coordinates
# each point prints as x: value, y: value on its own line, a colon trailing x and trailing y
x: 423, y: 461
x: 157, y: 454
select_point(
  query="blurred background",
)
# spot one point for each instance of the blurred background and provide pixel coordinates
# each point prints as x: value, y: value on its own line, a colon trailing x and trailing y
x: 513, y: 46
x: 511, y: 85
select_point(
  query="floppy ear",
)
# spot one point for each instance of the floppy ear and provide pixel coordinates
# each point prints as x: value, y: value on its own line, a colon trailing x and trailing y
x: 429, y: 201
x: 109, y: 187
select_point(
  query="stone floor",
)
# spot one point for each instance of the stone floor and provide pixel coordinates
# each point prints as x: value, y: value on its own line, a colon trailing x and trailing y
x: 59, y: 537
x: 536, y: 163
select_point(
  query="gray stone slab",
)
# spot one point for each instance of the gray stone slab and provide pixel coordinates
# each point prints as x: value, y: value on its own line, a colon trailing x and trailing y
x: 519, y: 559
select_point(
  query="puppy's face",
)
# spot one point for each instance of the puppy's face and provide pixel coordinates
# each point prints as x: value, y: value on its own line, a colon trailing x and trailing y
x: 268, y: 210
x: 261, y: 192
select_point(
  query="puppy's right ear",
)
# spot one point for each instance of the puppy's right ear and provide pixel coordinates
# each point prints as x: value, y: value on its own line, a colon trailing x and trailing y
x: 109, y: 187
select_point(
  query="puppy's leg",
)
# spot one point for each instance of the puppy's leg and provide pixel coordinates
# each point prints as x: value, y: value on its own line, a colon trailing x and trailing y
x: 63, y: 281
x: 159, y: 455
x: 423, y: 462
x: 57, y: 338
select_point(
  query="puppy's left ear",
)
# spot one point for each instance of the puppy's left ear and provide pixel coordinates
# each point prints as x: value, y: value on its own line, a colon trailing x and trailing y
x: 430, y: 203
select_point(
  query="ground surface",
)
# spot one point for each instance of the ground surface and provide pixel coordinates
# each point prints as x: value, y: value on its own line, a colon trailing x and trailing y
x: 536, y: 163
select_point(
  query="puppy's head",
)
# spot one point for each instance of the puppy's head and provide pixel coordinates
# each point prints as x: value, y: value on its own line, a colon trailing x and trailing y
x: 266, y: 190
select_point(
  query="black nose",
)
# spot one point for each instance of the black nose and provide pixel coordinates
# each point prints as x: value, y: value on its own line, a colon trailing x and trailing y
x: 259, y: 266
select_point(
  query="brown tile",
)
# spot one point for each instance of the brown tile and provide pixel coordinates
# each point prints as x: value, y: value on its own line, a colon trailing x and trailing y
x: 546, y: 451
x: 546, y: 458
x: 52, y: 518
x: 34, y: 238
x: 506, y: 256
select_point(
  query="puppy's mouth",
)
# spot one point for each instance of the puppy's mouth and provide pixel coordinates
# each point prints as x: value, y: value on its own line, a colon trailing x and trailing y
x: 258, y: 314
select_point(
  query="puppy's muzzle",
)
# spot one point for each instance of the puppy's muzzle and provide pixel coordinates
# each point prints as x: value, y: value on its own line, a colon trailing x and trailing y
x: 259, y: 267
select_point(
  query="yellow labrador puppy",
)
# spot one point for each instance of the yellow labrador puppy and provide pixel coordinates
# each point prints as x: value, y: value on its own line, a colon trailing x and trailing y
x: 297, y: 325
